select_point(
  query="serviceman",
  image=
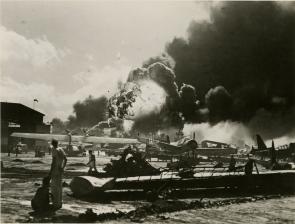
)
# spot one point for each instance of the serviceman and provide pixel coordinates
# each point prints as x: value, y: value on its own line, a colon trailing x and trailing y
x: 232, y: 164
x: 17, y: 149
x: 249, y: 166
x: 91, y: 163
x: 59, y: 161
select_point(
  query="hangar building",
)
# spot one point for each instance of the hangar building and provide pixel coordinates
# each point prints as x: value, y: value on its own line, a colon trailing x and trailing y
x: 16, y: 117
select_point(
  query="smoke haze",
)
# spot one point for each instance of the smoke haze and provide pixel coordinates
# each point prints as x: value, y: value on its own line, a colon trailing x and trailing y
x: 231, y: 78
x: 248, y: 48
x: 228, y: 132
x: 88, y: 112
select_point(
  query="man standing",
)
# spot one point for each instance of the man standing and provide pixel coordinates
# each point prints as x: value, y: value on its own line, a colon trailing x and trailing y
x: 59, y: 161
x: 249, y: 166
x: 232, y: 164
x: 9, y: 149
x: 17, y: 149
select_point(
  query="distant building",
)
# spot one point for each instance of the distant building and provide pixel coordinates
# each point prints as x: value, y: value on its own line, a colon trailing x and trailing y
x: 16, y: 117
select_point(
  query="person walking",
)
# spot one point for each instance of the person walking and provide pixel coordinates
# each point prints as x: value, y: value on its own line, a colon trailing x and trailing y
x: 91, y: 163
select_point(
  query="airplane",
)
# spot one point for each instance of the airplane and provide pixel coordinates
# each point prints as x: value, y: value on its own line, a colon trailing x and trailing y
x: 285, y: 152
x: 184, y: 145
x: 262, y: 150
x: 80, y: 142
x: 189, y: 145
x: 75, y: 149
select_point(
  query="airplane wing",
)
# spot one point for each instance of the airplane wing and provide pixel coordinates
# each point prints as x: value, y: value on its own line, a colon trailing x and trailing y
x: 168, y: 148
x: 97, y: 140
x: 46, y: 137
x: 75, y: 138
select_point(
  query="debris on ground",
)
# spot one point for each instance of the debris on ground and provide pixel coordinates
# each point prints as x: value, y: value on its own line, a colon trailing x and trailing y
x: 165, y: 206
x: 130, y: 164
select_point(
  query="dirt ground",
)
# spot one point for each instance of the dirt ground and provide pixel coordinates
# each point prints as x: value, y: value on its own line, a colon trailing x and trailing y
x: 22, y: 176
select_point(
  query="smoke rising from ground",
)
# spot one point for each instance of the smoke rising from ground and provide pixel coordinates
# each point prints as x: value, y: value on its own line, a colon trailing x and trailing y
x: 88, y: 112
x: 285, y: 140
x: 249, y: 49
x: 245, y: 46
x: 273, y: 124
x: 233, y: 77
x: 228, y: 132
x: 149, y: 98
x: 234, y: 133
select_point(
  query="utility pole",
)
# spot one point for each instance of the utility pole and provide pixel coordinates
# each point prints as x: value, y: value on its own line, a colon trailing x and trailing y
x: 35, y: 100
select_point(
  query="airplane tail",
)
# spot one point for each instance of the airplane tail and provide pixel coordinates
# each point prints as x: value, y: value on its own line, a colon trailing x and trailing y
x: 260, y: 143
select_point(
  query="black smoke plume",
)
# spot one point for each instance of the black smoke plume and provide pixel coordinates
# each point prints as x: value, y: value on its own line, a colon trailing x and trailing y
x: 58, y: 126
x: 188, y: 103
x: 88, y: 112
x: 247, y: 46
x: 163, y: 59
x: 150, y: 98
x: 238, y: 67
x: 219, y: 103
x: 249, y: 49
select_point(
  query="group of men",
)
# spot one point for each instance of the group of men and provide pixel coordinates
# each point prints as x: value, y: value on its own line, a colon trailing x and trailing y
x: 41, y: 201
x: 248, y: 168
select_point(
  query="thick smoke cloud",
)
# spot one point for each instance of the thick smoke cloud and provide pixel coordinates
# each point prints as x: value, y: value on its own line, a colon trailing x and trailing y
x: 235, y: 72
x: 58, y: 126
x: 179, y: 106
x: 163, y: 59
x: 219, y: 103
x: 88, y: 112
x: 149, y: 97
x: 273, y: 124
x: 249, y: 49
x: 165, y: 77
x: 188, y: 103
x: 225, y: 131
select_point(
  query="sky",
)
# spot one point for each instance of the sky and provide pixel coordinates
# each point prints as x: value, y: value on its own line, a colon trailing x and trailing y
x: 59, y: 52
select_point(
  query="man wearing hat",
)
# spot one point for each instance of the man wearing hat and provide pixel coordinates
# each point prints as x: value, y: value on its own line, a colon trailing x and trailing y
x: 59, y: 161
